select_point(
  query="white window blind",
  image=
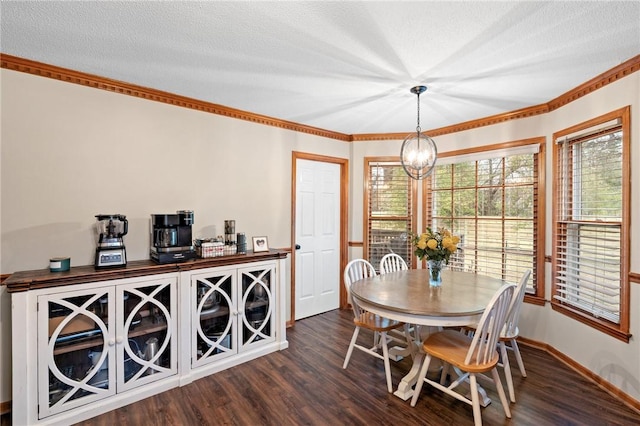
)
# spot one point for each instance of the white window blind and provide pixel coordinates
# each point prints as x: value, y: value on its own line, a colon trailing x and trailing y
x: 589, y: 222
x: 486, y: 155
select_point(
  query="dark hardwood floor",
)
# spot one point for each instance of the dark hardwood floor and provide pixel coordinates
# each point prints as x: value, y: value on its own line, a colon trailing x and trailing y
x: 306, y: 385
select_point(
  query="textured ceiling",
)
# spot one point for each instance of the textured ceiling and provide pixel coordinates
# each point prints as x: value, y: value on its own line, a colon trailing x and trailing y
x: 340, y: 66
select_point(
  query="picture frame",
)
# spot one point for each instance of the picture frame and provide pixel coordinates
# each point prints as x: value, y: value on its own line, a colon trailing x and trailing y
x: 260, y: 244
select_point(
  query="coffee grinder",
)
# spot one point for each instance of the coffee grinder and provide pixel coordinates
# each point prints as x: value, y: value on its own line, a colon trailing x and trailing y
x: 110, y: 251
x: 230, y: 232
x: 171, y: 237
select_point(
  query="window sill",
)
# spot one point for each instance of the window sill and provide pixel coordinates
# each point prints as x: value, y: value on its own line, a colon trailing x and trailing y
x: 599, y: 324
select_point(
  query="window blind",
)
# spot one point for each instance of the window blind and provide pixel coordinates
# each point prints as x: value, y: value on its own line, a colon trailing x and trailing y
x: 489, y: 200
x: 390, y: 212
x: 589, y: 222
x: 486, y: 155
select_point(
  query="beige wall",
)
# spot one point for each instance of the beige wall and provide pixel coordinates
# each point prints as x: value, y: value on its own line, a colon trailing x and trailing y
x: 70, y: 152
x: 615, y: 361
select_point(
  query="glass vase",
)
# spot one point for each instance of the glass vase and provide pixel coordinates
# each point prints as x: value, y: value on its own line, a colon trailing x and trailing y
x: 435, y: 269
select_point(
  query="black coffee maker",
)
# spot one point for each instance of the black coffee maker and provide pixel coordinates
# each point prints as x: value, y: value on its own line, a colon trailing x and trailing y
x: 171, y: 237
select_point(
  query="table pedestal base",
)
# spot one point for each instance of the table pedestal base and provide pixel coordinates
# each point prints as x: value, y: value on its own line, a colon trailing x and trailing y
x: 406, y: 385
x: 397, y: 353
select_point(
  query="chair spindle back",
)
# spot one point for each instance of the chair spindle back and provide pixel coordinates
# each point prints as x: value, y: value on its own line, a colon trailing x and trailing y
x: 485, y: 339
x: 356, y: 270
x: 392, y: 262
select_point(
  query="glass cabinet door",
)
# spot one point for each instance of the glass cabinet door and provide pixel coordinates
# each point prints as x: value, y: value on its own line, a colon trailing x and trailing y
x: 97, y: 342
x: 213, y: 304
x: 146, y: 338
x: 257, y: 302
x: 76, y: 353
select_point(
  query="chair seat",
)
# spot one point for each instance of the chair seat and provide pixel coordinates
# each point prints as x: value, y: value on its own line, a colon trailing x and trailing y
x: 376, y: 323
x: 505, y: 336
x: 453, y: 347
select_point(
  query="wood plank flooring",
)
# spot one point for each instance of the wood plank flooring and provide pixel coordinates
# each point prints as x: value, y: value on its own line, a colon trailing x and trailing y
x: 306, y: 385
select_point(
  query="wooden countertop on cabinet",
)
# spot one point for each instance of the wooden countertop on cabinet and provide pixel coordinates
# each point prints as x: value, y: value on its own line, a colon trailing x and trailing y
x: 43, y: 278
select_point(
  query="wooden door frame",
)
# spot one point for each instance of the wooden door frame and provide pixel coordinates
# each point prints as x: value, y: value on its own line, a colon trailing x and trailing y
x: 344, y: 217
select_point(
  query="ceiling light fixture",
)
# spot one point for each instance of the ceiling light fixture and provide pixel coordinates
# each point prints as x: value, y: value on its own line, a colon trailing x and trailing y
x: 419, y: 152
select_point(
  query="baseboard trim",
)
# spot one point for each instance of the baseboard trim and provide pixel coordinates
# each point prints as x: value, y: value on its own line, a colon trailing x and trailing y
x: 584, y: 372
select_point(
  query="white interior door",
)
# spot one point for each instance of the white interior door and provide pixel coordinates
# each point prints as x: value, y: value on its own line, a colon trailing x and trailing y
x: 318, y: 235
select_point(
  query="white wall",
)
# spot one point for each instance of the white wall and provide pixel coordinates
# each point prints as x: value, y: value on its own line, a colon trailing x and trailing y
x: 70, y: 152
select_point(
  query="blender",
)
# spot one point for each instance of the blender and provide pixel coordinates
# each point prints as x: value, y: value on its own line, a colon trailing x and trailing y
x: 110, y: 251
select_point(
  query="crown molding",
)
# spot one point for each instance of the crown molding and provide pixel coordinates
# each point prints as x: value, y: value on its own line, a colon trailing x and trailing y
x: 623, y: 70
x: 614, y: 74
x: 63, y: 74
x: 467, y: 125
x: 28, y: 66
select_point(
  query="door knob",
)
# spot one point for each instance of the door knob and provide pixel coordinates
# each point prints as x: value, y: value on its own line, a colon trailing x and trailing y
x: 297, y: 246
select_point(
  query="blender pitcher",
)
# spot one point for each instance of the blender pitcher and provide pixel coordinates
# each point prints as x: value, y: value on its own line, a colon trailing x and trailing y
x: 110, y: 250
x: 111, y: 228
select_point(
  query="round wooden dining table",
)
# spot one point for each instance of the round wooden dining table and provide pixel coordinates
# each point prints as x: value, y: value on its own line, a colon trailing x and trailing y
x: 407, y: 296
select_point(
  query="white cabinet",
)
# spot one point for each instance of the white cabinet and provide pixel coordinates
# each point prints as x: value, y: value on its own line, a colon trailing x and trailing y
x: 103, y: 340
x: 233, y: 311
x: 85, y: 341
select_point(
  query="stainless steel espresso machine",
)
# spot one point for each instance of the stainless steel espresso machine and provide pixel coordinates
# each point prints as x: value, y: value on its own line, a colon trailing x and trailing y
x: 110, y: 251
x: 171, y: 237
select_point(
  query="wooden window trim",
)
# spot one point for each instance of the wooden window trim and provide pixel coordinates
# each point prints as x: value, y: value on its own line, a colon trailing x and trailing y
x: 539, y: 297
x: 368, y: 161
x: 621, y: 331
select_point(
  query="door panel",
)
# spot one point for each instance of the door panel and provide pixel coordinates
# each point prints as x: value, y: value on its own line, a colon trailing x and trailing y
x: 318, y: 234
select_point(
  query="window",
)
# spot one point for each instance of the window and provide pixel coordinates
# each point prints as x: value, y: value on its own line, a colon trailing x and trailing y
x: 491, y: 200
x: 591, y: 221
x: 390, y: 208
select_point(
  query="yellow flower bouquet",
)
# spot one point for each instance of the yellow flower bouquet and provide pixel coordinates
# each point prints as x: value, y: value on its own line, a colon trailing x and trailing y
x: 438, y: 245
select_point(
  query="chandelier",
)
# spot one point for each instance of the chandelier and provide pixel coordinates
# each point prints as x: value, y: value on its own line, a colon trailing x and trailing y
x: 418, y: 153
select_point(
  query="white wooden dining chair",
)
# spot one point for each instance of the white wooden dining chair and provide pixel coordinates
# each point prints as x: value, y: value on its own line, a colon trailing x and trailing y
x: 392, y: 262
x: 510, y: 333
x: 356, y: 270
x: 471, y: 355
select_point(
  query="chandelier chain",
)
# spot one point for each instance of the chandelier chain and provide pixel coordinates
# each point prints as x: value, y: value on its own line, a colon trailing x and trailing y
x: 418, y: 121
